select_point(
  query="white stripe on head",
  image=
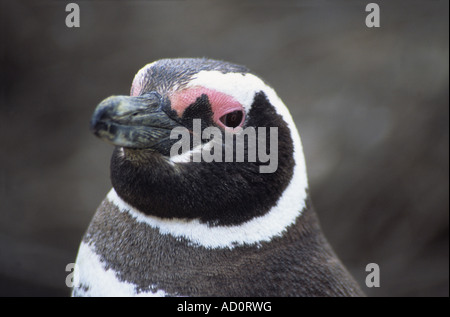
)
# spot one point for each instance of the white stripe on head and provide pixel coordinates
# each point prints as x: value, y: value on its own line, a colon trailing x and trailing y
x: 243, y: 88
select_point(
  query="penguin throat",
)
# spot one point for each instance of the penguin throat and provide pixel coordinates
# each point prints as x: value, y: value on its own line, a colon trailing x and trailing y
x: 214, y: 193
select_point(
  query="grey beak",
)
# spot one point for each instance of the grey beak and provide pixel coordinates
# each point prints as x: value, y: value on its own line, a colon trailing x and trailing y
x: 135, y: 122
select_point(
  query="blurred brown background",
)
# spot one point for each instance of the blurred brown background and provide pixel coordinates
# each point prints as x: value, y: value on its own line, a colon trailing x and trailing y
x: 372, y: 107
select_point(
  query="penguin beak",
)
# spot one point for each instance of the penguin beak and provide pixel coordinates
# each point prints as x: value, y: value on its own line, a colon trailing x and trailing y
x: 132, y: 121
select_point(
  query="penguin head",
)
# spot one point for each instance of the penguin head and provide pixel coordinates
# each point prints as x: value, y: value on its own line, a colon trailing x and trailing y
x: 177, y: 152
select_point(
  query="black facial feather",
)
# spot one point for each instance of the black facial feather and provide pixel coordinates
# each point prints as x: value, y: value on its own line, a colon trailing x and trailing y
x: 200, y: 109
x: 217, y: 193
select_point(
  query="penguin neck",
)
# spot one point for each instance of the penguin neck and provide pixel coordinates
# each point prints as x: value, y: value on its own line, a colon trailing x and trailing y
x: 254, y: 232
x: 274, y: 223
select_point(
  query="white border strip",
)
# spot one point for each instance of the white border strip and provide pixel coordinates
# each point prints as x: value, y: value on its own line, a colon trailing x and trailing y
x: 252, y: 232
x: 101, y: 282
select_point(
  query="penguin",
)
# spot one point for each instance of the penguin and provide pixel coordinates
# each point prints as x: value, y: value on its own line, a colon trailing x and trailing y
x: 175, y: 226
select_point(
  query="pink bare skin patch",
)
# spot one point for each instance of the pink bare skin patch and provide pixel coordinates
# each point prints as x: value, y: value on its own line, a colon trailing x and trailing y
x: 221, y: 104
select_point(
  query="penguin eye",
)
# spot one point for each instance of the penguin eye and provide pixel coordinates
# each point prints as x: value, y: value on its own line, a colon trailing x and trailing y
x: 232, y: 119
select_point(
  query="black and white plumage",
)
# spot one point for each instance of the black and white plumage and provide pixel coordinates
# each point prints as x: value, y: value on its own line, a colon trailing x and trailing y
x: 173, y: 227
